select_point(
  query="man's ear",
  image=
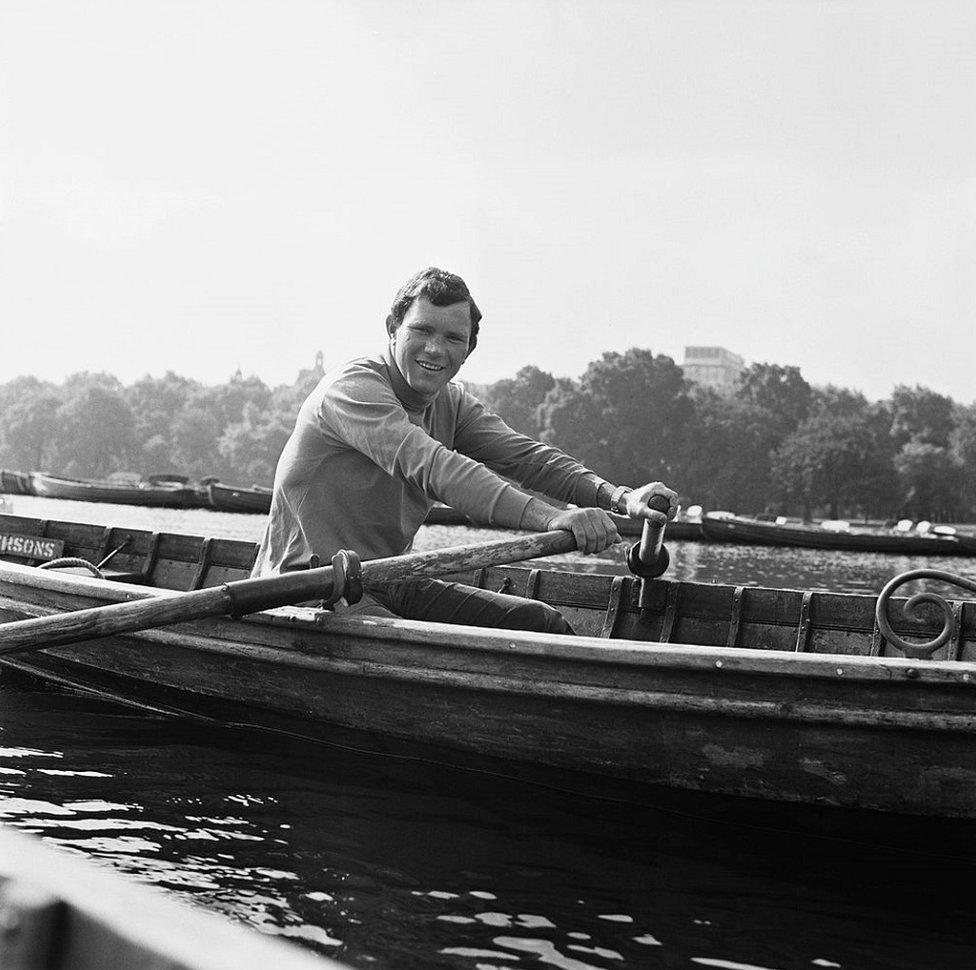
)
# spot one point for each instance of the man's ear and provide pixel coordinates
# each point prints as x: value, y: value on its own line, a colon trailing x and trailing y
x: 390, y: 326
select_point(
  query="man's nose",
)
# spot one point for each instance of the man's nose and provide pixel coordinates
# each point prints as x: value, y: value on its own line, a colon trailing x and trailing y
x: 435, y: 343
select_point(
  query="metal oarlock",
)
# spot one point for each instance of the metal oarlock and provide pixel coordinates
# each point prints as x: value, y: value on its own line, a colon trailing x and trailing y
x: 649, y: 557
x: 347, y: 581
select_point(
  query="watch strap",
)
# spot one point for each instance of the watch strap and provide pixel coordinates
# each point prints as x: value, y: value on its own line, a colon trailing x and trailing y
x: 616, y: 500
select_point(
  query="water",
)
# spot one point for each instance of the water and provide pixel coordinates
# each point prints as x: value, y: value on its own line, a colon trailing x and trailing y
x: 395, y: 864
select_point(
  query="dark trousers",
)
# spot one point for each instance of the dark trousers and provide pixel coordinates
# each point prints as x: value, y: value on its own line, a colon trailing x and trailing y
x: 432, y: 599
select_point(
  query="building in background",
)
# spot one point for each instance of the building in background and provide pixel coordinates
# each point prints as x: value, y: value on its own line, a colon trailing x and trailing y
x: 313, y: 376
x: 713, y: 367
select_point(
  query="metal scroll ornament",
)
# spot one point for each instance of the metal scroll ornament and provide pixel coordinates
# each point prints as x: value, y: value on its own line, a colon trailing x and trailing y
x: 920, y: 650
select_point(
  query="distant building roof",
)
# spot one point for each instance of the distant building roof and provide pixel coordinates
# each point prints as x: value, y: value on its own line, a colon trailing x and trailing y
x: 712, y: 366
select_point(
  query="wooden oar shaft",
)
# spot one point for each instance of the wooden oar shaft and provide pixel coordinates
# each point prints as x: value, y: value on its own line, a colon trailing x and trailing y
x: 251, y: 595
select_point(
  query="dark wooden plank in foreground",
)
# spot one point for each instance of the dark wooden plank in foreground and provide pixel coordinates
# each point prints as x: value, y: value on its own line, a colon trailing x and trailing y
x: 57, y: 911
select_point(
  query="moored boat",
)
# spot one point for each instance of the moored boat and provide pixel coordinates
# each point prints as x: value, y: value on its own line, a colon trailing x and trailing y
x: 15, y: 483
x: 773, y: 694
x: 680, y: 529
x: 157, y: 491
x: 257, y: 499
x: 739, y: 529
x: 236, y: 498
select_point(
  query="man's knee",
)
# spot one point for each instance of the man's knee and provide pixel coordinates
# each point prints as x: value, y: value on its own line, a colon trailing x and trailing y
x: 538, y: 618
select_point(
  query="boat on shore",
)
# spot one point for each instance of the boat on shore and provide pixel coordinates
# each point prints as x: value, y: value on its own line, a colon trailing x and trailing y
x: 158, y: 491
x: 746, y: 531
x: 769, y: 695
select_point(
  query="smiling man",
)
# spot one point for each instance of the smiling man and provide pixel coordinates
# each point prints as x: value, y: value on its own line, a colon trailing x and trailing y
x: 383, y: 437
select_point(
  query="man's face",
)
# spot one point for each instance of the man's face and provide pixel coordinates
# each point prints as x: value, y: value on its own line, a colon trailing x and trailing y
x: 431, y: 344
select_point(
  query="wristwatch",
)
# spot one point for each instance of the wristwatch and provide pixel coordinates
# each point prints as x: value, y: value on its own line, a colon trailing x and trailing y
x: 617, y: 503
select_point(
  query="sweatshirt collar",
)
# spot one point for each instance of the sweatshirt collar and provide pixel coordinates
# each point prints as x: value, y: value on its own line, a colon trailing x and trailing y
x: 412, y: 400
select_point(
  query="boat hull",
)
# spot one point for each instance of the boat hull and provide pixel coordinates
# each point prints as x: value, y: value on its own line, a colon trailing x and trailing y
x: 750, y: 532
x: 238, y: 498
x: 15, y: 483
x: 158, y: 495
x: 876, y: 733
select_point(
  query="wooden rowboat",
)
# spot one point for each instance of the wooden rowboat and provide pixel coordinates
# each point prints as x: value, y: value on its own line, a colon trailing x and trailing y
x: 680, y: 529
x: 15, y: 483
x: 746, y: 531
x: 155, y: 493
x: 771, y: 694
x: 236, y: 498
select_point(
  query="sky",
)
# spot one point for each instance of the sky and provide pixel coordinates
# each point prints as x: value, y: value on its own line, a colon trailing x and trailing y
x: 204, y: 186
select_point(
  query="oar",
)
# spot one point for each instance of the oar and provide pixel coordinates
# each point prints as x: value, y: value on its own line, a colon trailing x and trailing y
x: 252, y: 595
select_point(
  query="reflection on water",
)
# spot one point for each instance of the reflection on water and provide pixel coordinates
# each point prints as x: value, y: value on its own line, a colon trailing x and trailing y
x: 394, y: 864
x: 386, y: 863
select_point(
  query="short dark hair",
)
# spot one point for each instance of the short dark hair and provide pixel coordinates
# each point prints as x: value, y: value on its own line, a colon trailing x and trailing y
x: 442, y: 289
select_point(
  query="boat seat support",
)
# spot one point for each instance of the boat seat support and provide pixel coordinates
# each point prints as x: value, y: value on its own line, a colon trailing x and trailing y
x: 955, y: 642
x: 803, y: 628
x: 735, y: 619
x: 206, y: 553
x: 877, y: 642
x: 613, y: 607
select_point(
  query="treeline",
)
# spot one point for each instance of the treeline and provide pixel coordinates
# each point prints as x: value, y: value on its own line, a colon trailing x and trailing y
x: 772, y: 443
x: 91, y: 426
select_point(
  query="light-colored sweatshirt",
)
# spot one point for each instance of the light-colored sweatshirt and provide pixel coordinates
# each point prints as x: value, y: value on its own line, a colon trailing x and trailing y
x: 369, y: 456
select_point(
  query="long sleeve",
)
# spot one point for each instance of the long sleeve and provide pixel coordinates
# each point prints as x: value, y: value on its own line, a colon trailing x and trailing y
x: 368, y: 417
x: 485, y: 437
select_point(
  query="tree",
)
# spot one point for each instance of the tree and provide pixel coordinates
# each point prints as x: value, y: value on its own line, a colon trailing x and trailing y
x: 570, y: 419
x: 921, y: 415
x: 157, y: 404
x: 781, y: 392
x: 930, y: 481
x: 516, y: 399
x: 962, y: 439
x: 727, y: 454
x: 626, y: 418
x: 96, y: 430
x: 29, y: 425
x: 252, y: 446
x: 196, y: 434
x: 227, y: 401
x: 838, y: 459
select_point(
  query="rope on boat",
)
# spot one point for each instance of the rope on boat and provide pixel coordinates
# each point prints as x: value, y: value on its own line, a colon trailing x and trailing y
x: 920, y: 651
x: 69, y: 561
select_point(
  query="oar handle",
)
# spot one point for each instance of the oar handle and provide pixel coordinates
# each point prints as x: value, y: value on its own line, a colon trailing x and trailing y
x: 649, y: 557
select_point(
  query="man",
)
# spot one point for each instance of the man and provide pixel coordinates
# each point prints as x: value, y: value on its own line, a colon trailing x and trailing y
x: 383, y: 437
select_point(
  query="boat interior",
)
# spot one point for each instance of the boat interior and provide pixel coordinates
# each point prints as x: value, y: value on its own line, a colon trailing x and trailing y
x: 608, y: 606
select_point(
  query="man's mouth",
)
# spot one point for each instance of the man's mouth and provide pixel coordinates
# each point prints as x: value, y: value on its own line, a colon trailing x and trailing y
x: 430, y: 368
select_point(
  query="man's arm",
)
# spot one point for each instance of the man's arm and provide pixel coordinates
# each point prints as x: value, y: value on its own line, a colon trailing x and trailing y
x: 593, y: 529
x: 540, y: 467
